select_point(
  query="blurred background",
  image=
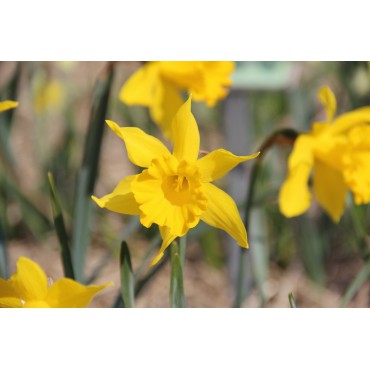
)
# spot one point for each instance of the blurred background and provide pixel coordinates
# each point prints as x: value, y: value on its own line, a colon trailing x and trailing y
x: 59, y: 127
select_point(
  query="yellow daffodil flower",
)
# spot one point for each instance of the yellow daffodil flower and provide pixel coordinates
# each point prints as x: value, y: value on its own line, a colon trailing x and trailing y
x: 28, y: 288
x: 48, y: 95
x: 175, y: 190
x: 158, y: 86
x: 327, y: 150
x: 7, y: 104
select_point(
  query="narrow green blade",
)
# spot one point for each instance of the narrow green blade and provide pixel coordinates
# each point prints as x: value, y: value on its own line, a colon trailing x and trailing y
x: 127, y: 277
x: 356, y: 284
x: 87, y: 176
x: 292, y: 301
x: 3, y: 256
x: 6, y: 119
x: 35, y: 220
x: 60, y: 229
x: 143, y: 282
x: 177, y: 299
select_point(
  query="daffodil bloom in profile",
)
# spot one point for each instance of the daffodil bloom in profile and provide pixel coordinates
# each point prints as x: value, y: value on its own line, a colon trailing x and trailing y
x: 174, y: 190
x: 28, y: 288
x: 336, y: 156
x: 7, y: 104
x: 158, y: 86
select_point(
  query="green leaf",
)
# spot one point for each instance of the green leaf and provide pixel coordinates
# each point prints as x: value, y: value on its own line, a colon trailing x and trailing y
x: 292, y: 301
x: 311, y: 243
x: 60, y: 229
x: 35, y: 220
x: 82, y: 216
x: 177, y: 299
x: 279, y: 137
x: 356, y: 284
x: 127, y: 277
x: 142, y: 283
x: 6, y: 119
x: 3, y: 256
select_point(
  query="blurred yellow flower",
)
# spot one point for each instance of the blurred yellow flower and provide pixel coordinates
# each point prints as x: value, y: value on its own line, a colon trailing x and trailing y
x: 7, y: 104
x: 338, y: 160
x: 48, y: 94
x: 175, y: 190
x: 158, y: 86
x: 28, y: 288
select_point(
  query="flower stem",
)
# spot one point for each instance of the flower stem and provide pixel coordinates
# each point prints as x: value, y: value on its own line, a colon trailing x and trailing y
x: 182, y: 250
x: 281, y: 137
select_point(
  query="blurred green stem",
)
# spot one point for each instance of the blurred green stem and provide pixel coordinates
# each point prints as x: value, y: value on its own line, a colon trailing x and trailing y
x: 292, y: 301
x: 281, y: 137
x: 182, y: 251
x: 60, y: 229
x: 358, y: 217
x: 3, y: 255
x: 356, y: 284
x: 177, y: 298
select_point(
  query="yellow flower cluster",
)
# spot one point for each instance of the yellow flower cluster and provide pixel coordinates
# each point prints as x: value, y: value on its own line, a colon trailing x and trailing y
x: 338, y: 152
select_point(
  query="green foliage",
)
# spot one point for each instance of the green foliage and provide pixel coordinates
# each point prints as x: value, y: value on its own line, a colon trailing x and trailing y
x: 127, y: 277
x: 177, y: 299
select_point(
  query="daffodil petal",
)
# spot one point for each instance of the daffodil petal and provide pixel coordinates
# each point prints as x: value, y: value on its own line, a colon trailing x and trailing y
x: 357, y: 164
x: 295, y: 196
x: 216, y: 77
x: 141, y: 147
x: 302, y: 151
x: 121, y: 200
x: 166, y: 102
x: 140, y: 87
x: 346, y: 121
x: 36, y: 304
x: 7, y: 104
x: 30, y: 281
x: 218, y: 163
x: 67, y: 293
x: 330, y: 189
x: 8, y: 295
x: 185, y: 134
x: 167, y: 239
x: 327, y: 98
x: 184, y: 74
x: 223, y: 213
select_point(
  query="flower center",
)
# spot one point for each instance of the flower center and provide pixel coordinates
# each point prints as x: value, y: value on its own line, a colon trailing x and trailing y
x: 177, y: 189
x: 170, y: 193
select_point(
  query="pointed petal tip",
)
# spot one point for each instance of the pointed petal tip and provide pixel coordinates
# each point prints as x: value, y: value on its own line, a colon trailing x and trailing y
x: 8, y: 104
x: 106, y: 285
x: 245, y: 245
x: 113, y: 125
x: 188, y: 101
x: 98, y: 201
x: 156, y: 259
